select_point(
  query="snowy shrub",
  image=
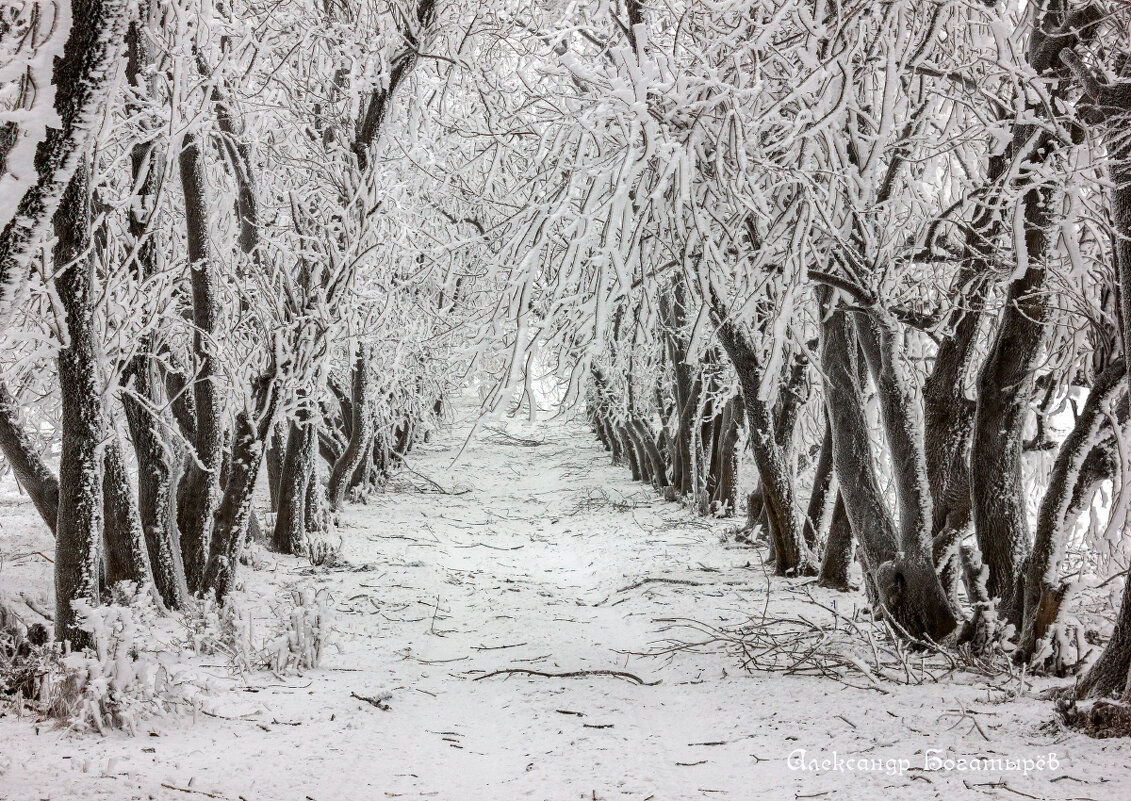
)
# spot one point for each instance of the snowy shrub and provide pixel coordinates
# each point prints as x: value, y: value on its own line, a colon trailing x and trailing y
x: 117, y: 683
x: 323, y: 553
x: 305, y: 628
x: 227, y: 629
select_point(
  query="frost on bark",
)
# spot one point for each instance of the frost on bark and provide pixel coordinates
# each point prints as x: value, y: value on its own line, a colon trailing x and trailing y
x: 81, y: 81
x: 235, y: 510
x: 78, y: 531
x: 905, y: 581
x: 1005, y: 382
x: 837, y: 558
x: 360, y: 431
x: 32, y: 474
x: 297, y: 473
x: 201, y: 486
x: 127, y: 558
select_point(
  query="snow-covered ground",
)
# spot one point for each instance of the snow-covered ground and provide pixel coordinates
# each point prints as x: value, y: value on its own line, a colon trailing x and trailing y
x: 530, y: 563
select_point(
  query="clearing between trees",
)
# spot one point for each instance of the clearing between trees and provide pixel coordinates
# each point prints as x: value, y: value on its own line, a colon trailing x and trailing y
x: 543, y: 557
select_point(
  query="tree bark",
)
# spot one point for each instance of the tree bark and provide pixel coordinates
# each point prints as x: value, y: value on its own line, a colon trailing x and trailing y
x: 360, y: 431
x: 837, y: 559
x: 32, y: 474
x: 289, y: 535
x: 79, y: 525
x: 774, y: 470
x: 127, y: 558
x: 235, y: 510
x: 201, y: 487
x: 907, y: 587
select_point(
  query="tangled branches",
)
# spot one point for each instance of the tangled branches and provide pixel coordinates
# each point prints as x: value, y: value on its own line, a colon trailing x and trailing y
x: 838, y: 648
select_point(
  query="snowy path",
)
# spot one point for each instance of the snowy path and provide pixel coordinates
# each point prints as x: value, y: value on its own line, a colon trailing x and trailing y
x: 531, y: 568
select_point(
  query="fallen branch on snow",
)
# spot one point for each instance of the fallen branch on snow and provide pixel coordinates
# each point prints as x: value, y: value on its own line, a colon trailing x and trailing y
x: 573, y: 674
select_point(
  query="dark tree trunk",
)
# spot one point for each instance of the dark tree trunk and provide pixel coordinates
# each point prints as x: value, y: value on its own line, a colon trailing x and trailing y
x: 276, y: 449
x: 290, y: 523
x: 360, y: 431
x: 127, y: 558
x: 725, y: 497
x: 80, y: 74
x: 630, y: 452
x: 32, y: 474
x: 235, y: 510
x: 837, y: 559
x: 908, y: 588
x: 201, y: 485
x: 79, y: 525
x: 819, y: 497
x: 652, y: 453
x: 774, y: 469
x: 155, y: 481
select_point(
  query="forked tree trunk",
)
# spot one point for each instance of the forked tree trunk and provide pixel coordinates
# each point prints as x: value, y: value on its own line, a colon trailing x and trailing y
x: 235, y: 510
x: 907, y: 588
x: 156, y: 471
x: 360, y: 431
x: 903, y: 427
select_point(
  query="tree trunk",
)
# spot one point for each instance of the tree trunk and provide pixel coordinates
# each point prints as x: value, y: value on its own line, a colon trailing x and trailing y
x: 201, y: 487
x: 31, y: 473
x: 127, y: 558
x: 276, y: 450
x: 837, y: 559
x: 235, y: 510
x: 79, y: 525
x: 725, y: 498
x: 774, y: 470
x: 821, y: 493
x: 289, y: 535
x: 907, y: 588
x: 360, y: 431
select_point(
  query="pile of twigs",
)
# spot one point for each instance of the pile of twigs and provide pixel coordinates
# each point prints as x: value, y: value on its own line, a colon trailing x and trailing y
x: 841, y: 648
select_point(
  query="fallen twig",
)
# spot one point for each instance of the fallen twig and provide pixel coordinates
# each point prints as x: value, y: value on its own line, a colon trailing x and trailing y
x: 378, y: 701
x: 661, y: 580
x: 189, y: 790
x: 573, y: 674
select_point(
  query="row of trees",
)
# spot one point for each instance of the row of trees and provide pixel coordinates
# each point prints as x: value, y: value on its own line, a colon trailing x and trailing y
x: 221, y: 257
x: 889, y: 236
x: 882, y: 245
